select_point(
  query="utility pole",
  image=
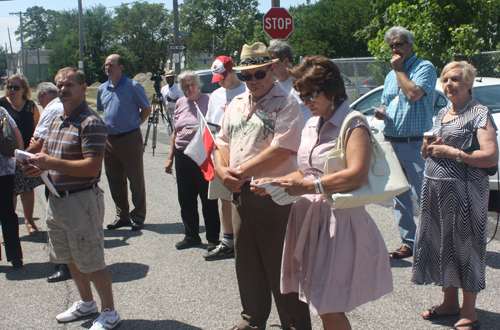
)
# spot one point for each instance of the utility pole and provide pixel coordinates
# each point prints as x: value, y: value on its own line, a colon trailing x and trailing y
x: 80, y: 29
x: 275, y: 3
x: 176, y: 36
x: 23, y: 62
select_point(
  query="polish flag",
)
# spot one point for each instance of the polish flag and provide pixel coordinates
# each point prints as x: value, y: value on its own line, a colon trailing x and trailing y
x: 201, y: 146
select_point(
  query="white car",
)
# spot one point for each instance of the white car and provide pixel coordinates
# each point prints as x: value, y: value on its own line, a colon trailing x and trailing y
x: 485, y: 90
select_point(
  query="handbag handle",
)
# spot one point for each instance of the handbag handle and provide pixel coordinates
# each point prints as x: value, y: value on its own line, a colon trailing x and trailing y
x: 379, y: 152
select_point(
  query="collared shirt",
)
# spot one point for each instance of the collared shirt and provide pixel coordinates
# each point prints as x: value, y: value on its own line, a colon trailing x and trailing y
x: 173, y: 92
x: 407, y: 118
x: 54, y: 108
x: 121, y: 104
x: 75, y: 137
x: 248, y: 128
x: 185, y: 113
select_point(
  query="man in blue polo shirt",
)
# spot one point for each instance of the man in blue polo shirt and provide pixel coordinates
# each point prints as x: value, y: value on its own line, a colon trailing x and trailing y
x: 407, y: 106
x: 125, y: 107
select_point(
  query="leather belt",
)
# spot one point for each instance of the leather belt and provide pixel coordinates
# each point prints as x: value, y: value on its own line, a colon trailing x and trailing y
x: 404, y: 139
x: 74, y: 191
x: 117, y: 136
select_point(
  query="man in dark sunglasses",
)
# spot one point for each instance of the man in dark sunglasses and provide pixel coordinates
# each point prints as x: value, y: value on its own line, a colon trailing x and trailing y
x: 259, y: 137
x: 407, y: 105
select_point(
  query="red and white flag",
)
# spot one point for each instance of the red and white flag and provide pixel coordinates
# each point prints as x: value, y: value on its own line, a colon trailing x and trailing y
x: 201, y: 146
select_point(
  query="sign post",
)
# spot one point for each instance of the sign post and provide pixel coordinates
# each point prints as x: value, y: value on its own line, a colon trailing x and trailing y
x: 278, y: 23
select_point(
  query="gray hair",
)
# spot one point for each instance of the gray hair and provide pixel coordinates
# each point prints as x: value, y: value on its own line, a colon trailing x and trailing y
x: 47, y: 88
x: 189, y: 73
x: 282, y: 50
x: 399, y: 31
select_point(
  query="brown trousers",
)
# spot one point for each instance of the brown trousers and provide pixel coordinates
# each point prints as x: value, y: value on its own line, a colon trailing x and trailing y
x: 259, y: 233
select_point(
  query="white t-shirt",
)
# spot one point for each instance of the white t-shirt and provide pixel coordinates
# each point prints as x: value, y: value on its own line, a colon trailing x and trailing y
x: 174, y: 93
x: 52, y: 109
x: 219, y: 100
x: 287, y: 86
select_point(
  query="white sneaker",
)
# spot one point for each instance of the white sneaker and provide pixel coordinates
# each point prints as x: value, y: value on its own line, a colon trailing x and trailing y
x: 76, y: 311
x: 106, y: 320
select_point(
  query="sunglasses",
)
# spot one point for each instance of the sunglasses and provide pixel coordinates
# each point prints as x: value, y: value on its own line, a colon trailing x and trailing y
x: 16, y: 87
x: 310, y: 96
x: 258, y: 75
x: 397, y: 45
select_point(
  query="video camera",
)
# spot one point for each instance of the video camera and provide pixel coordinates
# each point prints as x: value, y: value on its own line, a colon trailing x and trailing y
x: 156, y: 77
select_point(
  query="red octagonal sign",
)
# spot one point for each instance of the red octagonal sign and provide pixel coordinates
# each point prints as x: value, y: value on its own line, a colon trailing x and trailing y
x: 278, y: 23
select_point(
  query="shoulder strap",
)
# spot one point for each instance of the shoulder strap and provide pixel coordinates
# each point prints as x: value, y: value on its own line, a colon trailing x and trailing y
x: 347, y: 119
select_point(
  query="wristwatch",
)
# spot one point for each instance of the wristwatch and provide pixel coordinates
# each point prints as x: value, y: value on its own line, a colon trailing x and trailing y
x: 459, y: 156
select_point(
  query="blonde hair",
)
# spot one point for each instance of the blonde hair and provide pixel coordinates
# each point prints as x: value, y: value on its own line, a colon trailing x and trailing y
x: 468, y: 72
x: 24, y: 84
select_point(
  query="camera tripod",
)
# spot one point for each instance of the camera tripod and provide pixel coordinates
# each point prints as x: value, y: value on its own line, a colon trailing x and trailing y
x: 154, y: 119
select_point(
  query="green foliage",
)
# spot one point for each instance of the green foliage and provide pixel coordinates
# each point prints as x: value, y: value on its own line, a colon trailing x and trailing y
x: 328, y: 28
x: 3, y: 61
x: 36, y: 22
x: 222, y: 25
x: 442, y: 28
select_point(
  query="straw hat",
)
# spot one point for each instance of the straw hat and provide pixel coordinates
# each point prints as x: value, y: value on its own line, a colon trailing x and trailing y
x: 170, y: 73
x: 254, y: 56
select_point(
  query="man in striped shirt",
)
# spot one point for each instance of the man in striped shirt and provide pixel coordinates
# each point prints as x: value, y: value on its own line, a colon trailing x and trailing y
x: 73, y: 154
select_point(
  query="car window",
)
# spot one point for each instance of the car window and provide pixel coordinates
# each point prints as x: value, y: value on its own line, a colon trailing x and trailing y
x: 439, y: 103
x: 365, y: 106
x: 488, y: 96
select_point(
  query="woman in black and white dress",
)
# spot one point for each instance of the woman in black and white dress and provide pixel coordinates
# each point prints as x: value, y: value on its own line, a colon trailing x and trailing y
x: 450, y: 248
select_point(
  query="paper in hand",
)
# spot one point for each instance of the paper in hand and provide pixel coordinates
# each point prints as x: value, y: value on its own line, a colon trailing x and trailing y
x: 21, y: 155
x: 277, y: 193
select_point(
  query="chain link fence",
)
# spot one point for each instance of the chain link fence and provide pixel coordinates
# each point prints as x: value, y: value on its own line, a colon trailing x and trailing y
x: 486, y: 63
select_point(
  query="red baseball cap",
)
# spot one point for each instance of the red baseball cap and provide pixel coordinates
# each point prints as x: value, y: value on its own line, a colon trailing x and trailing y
x: 220, y: 68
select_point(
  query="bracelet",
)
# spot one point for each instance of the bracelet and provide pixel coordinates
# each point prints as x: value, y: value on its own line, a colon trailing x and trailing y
x: 320, y: 186
x: 316, y: 187
x: 238, y: 168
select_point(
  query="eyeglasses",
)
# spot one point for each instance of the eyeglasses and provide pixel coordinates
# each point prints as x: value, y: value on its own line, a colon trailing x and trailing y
x: 310, y: 96
x: 16, y: 87
x: 258, y: 75
x: 397, y: 45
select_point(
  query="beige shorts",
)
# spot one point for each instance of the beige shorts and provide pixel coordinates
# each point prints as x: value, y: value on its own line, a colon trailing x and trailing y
x: 217, y: 190
x: 75, y: 230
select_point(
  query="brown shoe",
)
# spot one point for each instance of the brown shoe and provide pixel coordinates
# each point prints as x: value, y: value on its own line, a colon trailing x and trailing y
x: 402, y: 252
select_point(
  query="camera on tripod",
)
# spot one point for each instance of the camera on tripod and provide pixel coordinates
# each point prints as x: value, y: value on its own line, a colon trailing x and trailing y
x: 156, y: 77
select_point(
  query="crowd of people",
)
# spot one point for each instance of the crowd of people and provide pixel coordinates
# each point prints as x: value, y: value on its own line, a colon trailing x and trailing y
x: 277, y: 125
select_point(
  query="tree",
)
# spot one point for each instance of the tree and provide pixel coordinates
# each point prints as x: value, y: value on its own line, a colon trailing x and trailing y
x: 442, y: 28
x: 220, y: 27
x: 144, y: 30
x: 36, y: 23
x: 328, y: 28
x: 3, y: 61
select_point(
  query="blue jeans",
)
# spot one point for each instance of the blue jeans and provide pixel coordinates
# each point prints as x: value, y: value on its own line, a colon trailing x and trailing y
x: 411, y: 161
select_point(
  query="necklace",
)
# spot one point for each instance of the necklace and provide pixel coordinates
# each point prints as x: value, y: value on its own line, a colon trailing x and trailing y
x: 462, y: 110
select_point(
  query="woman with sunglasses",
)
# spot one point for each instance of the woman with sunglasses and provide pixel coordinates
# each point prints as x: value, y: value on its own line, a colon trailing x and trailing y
x: 17, y: 101
x: 336, y: 259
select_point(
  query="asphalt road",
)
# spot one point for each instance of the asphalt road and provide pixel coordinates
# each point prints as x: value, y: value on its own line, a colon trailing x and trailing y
x: 157, y: 287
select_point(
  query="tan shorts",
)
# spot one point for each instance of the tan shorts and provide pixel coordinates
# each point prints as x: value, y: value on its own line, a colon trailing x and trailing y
x: 75, y: 230
x: 217, y: 190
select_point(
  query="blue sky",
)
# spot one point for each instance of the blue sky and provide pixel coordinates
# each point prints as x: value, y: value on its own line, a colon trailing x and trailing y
x: 12, y: 21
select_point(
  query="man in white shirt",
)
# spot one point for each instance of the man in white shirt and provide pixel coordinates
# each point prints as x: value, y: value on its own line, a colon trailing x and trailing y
x: 171, y: 92
x: 283, y: 51
x: 231, y: 86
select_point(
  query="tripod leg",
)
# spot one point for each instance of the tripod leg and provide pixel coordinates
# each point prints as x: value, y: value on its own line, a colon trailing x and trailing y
x: 155, y: 134
x: 147, y: 135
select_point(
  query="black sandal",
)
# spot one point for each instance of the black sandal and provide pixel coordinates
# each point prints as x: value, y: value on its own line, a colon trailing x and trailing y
x: 433, y: 315
x: 473, y: 325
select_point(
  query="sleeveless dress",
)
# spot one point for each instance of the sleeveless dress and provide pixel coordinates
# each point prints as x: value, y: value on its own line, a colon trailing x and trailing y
x: 335, y: 259
x: 25, y: 121
x: 450, y: 244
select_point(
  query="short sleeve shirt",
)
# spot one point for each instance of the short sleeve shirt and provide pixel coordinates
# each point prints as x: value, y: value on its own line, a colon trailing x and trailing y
x: 54, y: 108
x: 406, y: 118
x: 121, y: 105
x: 173, y: 92
x: 75, y: 137
x: 185, y: 113
x: 248, y: 128
x: 219, y: 100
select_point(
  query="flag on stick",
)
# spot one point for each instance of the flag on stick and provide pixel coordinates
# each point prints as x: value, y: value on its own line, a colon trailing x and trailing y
x: 201, y: 146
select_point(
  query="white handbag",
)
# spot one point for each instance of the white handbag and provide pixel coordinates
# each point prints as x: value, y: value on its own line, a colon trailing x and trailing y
x: 386, y: 178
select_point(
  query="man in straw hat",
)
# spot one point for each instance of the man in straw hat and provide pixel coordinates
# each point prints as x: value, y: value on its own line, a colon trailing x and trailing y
x: 259, y: 137
x: 171, y: 92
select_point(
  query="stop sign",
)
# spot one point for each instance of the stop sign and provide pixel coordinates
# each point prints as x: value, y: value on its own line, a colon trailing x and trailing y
x: 278, y: 23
